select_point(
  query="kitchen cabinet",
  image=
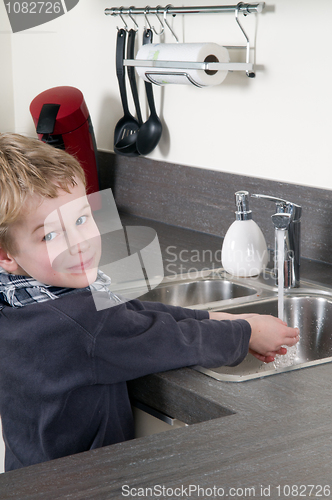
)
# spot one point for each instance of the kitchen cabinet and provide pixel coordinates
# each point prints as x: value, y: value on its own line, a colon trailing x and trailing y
x: 2, y: 451
x: 149, y: 421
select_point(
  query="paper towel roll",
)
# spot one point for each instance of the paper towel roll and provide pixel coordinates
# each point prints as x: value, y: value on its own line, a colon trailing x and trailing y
x: 185, y: 52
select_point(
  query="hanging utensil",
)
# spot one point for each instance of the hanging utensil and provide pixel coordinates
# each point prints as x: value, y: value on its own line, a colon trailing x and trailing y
x: 125, y: 133
x: 150, y: 132
x: 131, y: 73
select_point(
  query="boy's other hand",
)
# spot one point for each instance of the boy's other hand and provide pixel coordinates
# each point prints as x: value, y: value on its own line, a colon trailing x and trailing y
x: 268, y: 359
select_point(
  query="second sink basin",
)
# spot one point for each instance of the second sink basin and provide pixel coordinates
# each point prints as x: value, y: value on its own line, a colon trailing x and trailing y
x: 193, y: 293
x: 311, y: 313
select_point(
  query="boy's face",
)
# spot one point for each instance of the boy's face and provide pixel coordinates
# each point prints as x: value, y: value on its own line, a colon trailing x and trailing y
x: 58, y: 241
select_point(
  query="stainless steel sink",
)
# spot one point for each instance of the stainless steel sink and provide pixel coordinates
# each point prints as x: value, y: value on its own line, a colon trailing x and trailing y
x: 198, y: 293
x: 308, y: 307
x: 309, y: 310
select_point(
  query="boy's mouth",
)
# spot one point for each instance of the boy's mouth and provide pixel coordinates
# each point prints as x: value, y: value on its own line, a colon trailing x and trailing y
x: 83, y: 266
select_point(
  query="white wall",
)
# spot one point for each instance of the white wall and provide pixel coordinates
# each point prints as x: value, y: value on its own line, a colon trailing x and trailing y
x: 6, y: 80
x: 276, y: 126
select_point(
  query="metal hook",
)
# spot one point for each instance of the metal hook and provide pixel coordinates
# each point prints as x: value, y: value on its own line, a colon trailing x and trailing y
x: 124, y: 22
x: 166, y: 22
x: 131, y: 17
x: 251, y: 74
x: 161, y: 23
x: 146, y: 11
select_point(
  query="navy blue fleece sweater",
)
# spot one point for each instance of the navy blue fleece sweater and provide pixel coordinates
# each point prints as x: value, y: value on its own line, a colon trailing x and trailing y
x: 64, y: 367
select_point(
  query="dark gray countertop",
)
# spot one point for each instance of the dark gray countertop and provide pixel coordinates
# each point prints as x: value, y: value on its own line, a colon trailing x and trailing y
x: 255, y: 438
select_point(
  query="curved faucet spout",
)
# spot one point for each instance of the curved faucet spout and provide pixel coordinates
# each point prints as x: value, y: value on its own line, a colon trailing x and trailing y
x: 287, y: 218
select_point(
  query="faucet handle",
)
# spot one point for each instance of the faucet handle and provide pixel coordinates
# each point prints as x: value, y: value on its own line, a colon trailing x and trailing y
x: 283, y: 206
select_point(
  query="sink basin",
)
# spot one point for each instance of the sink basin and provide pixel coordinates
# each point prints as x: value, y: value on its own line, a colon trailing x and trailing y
x: 193, y: 293
x: 311, y: 313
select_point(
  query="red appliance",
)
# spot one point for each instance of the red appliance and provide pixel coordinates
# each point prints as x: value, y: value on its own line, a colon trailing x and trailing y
x: 62, y: 119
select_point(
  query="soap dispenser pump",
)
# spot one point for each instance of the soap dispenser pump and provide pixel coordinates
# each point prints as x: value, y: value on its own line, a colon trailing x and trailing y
x: 244, y: 251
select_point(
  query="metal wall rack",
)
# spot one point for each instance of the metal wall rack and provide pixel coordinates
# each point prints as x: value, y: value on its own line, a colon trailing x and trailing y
x: 240, y: 8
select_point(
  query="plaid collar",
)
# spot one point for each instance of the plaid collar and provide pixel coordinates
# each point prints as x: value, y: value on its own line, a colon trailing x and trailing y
x: 19, y: 291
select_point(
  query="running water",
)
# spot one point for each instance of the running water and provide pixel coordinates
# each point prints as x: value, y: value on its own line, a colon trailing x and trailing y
x: 281, y: 276
x: 288, y: 359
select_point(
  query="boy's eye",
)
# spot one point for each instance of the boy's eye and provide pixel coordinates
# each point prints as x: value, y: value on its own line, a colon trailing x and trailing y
x: 49, y: 236
x: 81, y: 220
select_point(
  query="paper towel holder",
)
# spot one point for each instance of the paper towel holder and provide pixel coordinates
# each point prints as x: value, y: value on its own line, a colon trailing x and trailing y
x: 250, y: 74
x: 160, y: 67
x: 150, y: 77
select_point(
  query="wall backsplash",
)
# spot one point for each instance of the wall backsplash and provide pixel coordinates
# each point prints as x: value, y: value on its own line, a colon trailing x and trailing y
x: 203, y: 200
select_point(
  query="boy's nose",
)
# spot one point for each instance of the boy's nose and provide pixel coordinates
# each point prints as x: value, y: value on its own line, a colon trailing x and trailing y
x: 79, y: 246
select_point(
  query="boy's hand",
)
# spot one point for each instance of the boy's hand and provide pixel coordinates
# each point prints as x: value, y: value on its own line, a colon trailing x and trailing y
x: 267, y: 359
x: 268, y: 334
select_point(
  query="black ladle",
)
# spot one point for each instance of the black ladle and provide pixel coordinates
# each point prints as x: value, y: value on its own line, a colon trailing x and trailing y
x: 125, y: 133
x: 150, y: 132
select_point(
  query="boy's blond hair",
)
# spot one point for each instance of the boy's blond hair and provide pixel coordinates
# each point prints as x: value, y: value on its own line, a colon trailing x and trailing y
x: 30, y: 167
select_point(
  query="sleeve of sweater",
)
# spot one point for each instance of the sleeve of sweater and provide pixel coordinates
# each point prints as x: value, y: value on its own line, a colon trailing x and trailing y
x: 140, y: 338
x: 177, y: 312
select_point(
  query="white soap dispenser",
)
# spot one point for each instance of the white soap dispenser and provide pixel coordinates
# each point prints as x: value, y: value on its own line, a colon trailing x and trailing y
x: 244, y: 251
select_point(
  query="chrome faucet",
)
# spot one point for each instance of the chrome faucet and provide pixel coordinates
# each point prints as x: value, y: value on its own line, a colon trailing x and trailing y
x: 288, y: 219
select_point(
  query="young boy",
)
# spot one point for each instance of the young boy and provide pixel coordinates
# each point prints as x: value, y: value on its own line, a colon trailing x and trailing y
x: 64, y: 365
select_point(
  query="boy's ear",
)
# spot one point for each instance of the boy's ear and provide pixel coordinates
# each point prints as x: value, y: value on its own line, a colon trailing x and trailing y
x: 7, y: 262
